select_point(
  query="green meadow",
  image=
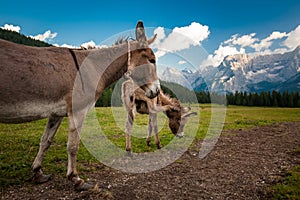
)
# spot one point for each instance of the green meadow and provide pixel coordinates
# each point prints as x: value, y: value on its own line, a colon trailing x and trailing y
x: 19, y: 142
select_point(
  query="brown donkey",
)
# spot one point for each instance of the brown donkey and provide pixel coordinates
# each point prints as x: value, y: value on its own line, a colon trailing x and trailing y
x: 134, y: 99
x: 54, y: 83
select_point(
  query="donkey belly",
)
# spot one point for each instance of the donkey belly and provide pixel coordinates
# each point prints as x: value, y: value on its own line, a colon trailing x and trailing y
x: 31, y: 111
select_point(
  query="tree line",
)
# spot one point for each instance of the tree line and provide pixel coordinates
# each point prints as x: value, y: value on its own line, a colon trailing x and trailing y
x: 269, y: 98
x: 273, y: 98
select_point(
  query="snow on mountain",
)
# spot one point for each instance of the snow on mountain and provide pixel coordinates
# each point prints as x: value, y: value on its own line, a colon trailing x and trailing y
x: 242, y: 72
x: 176, y: 76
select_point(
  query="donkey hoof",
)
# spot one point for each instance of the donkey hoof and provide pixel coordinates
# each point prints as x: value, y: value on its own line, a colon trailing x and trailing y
x: 148, y: 143
x: 158, y: 146
x: 41, y: 178
x: 128, y: 153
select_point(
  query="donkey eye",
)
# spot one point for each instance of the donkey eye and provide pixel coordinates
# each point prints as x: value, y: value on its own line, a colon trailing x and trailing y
x: 152, y: 61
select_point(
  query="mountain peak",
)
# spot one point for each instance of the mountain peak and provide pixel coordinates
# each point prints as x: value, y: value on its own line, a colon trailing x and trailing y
x: 236, y: 61
x: 238, y: 58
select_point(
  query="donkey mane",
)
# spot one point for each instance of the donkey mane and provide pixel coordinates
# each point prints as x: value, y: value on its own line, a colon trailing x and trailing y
x: 122, y: 40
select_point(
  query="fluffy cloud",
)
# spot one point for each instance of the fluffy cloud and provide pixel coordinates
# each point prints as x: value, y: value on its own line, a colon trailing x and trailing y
x: 88, y: 45
x: 181, y: 62
x: 220, y: 54
x: 265, y: 43
x: 293, y: 39
x: 243, y: 41
x: 276, y: 35
x: 238, y: 44
x: 45, y: 36
x: 11, y: 27
x: 160, y: 31
x: 196, y: 32
x: 180, y: 38
x: 255, y: 43
x: 66, y: 46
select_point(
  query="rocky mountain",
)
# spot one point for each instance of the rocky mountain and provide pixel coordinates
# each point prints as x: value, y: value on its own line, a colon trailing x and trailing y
x: 241, y: 72
x: 177, y: 76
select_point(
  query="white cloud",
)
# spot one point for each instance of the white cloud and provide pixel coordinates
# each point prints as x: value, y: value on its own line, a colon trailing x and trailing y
x: 160, y: 53
x: 220, y: 54
x: 88, y: 45
x: 11, y: 27
x: 243, y: 41
x: 237, y: 44
x: 266, y: 43
x: 66, y: 46
x: 160, y: 31
x: 180, y: 38
x: 45, y: 36
x: 262, y: 45
x: 255, y: 43
x: 293, y: 39
x: 276, y: 35
x: 181, y: 62
x: 196, y: 32
x: 91, y: 45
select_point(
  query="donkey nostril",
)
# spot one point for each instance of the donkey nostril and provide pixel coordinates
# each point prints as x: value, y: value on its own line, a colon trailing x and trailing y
x: 157, y: 90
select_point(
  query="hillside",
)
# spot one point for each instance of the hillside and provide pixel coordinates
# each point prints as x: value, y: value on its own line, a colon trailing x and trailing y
x: 21, y: 39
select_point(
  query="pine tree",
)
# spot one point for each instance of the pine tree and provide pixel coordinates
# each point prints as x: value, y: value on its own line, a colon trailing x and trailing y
x: 291, y: 100
x: 274, y: 98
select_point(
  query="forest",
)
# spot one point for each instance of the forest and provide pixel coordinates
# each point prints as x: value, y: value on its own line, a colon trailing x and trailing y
x: 268, y: 98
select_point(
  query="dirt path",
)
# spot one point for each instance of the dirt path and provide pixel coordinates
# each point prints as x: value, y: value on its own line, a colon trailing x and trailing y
x: 239, y: 167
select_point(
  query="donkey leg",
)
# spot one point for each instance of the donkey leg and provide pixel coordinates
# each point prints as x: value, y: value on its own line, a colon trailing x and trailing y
x: 129, y: 124
x: 73, y: 146
x: 46, y: 140
x: 148, y: 141
x: 155, y: 129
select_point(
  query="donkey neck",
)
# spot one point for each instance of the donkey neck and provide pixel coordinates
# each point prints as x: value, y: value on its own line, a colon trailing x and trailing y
x: 110, y: 63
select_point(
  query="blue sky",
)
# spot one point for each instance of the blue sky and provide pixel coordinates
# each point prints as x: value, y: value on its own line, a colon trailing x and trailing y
x: 76, y: 22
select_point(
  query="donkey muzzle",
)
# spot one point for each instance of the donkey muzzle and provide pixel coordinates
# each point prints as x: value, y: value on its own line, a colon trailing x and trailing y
x: 153, y: 89
x: 180, y: 135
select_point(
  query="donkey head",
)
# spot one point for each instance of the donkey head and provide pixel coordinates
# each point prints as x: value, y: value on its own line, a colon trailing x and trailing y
x: 142, y: 63
x: 178, y: 117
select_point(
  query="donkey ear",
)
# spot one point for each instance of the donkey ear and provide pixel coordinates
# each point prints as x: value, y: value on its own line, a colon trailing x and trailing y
x: 151, y: 40
x: 140, y: 35
x: 190, y: 114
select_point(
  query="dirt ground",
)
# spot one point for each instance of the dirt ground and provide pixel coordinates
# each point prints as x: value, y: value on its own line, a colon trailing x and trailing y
x: 243, y: 164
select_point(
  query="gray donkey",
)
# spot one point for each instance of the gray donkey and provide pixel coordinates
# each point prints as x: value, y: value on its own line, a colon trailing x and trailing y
x: 38, y: 83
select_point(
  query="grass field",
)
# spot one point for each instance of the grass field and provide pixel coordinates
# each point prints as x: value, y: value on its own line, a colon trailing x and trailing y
x: 19, y: 143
